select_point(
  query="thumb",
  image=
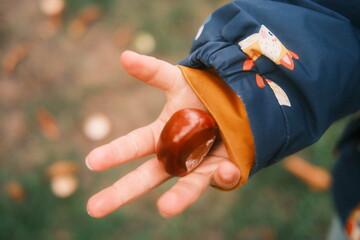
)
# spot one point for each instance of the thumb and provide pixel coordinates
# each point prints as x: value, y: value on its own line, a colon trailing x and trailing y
x: 150, y: 70
x: 227, y: 176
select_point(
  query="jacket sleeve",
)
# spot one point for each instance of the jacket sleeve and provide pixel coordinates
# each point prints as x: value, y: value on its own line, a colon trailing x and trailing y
x: 295, y: 69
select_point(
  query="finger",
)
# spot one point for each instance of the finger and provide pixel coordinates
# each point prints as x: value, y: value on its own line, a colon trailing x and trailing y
x: 153, y: 71
x: 226, y: 176
x: 138, y: 143
x: 130, y: 187
x: 183, y: 194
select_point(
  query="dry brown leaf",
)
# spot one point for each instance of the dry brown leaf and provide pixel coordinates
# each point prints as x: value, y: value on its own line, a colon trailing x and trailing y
x: 50, y: 27
x: 315, y: 177
x: 268, y: 233
x: 48, y: 124
x: 14, y: 56
x: 80, y: 24
x: 15, y: 191
x: 62, y: 168
x: 90, y: 14
x: 77, y: 28
x: 123, y: 36
x: 257, y: 232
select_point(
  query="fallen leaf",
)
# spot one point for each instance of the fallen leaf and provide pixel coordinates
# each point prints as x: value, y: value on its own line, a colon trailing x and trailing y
x: 62, y: 168
x: 48, y: 124
x: 268, y: 233
x: 50, y: 27
x: 80, y: 24
x: 123, y: 36
x: 317, y: 178
x: 90, y: 14
x: 14, y: 56
x: 15, y: 191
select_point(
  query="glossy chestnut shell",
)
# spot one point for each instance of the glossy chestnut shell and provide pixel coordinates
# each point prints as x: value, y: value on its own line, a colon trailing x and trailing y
x: 185, y: 140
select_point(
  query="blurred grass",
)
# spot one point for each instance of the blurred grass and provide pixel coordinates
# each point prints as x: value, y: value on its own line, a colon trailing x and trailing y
x: 72, y: 78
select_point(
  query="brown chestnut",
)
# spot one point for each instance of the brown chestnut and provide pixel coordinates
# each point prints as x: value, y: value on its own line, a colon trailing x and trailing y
x: 185, y: 140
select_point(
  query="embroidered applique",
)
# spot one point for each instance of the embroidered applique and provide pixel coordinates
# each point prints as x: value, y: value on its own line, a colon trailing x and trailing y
x: 353, y: 225
x: 266, y: 43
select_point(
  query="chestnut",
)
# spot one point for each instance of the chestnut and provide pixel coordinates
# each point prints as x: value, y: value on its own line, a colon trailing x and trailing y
x: 185, y: 140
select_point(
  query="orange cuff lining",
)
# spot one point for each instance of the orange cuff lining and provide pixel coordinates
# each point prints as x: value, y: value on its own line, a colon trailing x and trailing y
x: 230, y: 114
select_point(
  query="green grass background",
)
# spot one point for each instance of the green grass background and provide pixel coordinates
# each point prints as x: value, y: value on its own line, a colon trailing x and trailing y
x: 72, y: 78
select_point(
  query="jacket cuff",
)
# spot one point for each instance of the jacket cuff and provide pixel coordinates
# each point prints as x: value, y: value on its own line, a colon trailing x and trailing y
x: 230, y: 114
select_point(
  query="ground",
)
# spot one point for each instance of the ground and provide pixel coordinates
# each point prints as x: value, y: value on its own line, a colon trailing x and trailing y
x: 54, y: 77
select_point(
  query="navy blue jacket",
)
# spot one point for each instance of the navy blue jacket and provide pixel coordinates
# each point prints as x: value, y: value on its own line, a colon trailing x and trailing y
x: 295, y: 65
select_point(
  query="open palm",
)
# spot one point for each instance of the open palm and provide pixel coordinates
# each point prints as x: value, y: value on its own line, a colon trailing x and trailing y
x: 216, y: 168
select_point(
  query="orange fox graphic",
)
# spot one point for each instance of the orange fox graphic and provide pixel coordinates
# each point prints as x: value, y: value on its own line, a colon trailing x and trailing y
x: 266, y: 43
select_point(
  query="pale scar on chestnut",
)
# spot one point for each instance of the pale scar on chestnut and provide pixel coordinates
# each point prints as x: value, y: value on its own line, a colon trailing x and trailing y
x: 185, y: 140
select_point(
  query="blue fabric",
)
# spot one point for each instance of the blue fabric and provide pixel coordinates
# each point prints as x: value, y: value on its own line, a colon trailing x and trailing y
x: 303, y: 73
x: 348, y: 8
x: 346, y: 174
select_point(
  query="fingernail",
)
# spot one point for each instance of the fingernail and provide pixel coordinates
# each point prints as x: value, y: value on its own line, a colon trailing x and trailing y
x: 87, y: 164
x: 132, y: 52
x: 164, y: 215
x: 89, y: 212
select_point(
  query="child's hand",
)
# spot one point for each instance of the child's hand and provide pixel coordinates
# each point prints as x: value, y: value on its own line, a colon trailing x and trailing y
x: 216, y: 169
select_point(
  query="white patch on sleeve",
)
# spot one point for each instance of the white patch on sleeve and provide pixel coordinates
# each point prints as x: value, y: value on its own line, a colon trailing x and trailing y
x: 199, y: 32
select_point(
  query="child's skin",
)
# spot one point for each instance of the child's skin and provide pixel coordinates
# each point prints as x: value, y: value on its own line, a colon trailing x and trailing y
x: 217, y: 169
